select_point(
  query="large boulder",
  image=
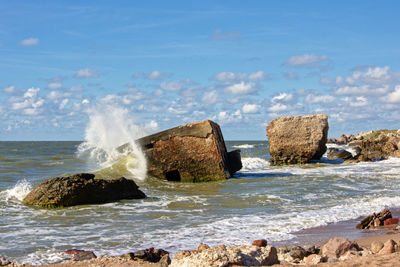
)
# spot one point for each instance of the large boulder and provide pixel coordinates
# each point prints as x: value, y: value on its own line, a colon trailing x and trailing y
x: 298, y: 139
x: 193, y: 152
x: 80, y: 189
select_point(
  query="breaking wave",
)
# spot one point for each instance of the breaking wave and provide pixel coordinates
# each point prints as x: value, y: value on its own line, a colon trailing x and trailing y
x: 108, y: 129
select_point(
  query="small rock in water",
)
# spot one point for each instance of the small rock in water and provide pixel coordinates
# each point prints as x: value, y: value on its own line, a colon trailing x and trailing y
x: 374, y: 220
x: 260, y: 243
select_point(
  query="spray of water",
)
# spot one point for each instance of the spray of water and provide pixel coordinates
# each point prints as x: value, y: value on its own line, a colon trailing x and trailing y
x: 110, y: 127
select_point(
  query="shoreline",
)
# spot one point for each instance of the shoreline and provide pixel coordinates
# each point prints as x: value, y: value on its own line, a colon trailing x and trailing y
x: 317, y: 236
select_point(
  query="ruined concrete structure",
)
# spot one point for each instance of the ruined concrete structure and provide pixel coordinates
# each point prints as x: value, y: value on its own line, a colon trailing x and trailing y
x: 300, y: 139
x: 193, y: 152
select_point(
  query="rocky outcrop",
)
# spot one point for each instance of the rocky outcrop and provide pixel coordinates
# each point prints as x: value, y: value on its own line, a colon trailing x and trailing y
x: 375, y: 220
x: 299, y: 139
x: 373, y: 145
x: 81, y: 189
x: 193, y: 152
x: 227, y: 256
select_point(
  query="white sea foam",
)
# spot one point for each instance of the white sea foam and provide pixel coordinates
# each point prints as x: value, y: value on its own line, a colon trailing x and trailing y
x: 19, y: 191
x: 243, y: 146
x: 110, y: 127
x: 344, y: 147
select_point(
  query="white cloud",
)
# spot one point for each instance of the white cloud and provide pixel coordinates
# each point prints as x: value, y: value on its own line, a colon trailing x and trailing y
x: 224, y: 117
x: 63, y: 103
x: 225, y: 76
x: 53, y: 95
x: 172, y: 86
x: 394, y: 97
x: 9, y: 89
x: 54, y: 86
x: 210, y: 97
x: 251, y: 108
x: 85, y: 101
x: 360, y: 101
x: 31, y: 92
x: 278, y: 107
x: 152, y: 126
x: 282, y: 97
x: 30, y: 42
x: 155, y: 75
x: 306, y: 59
x: 364, y: 89
x: 30, y: 103
x: 257, y: 76
x: 241, y: 88
x: 319, y: 99
x: 87, y: 73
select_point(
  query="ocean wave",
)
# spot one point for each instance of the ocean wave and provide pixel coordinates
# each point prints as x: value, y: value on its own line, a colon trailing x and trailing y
x: 243, y: 146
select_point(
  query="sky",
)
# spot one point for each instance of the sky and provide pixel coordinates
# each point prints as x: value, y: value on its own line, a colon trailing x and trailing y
x: 168, y: 63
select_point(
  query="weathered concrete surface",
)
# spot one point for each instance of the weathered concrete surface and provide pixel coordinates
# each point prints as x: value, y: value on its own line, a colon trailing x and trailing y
x: 298, y: 139
x: 193, y: 152
x: 81, y: 189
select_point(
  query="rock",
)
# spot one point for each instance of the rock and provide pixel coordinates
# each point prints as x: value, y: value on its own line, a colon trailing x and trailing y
x: 202, y: 247
x: 150, y: 255
x: 73, y: 251
x: 376, y: 246
x: 378, y: 145
x: 228, y: 256
x: 297, y: 253
x: 182, y: 254
x: 4, y: 261
x: 299, y: 139
x: 337, y: 246
x: 374, y: 220
x: 83, y: 255
x: 193, y: 152
x: 349, y: 255
x: 391, y: 221
x: 81, y: 189
x: 311, y: 250
x: 339, y: 154
x: 165, y: 261
x: 260, y: 243
x: 314, y: 259
x: 389, y: 247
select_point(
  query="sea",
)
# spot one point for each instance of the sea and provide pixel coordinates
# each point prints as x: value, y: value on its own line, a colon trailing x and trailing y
x: 260, y: 201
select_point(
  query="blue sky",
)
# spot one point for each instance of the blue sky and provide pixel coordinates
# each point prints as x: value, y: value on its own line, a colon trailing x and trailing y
x: 239, y: 63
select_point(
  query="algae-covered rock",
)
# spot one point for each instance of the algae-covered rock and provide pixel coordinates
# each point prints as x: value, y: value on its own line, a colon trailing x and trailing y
x: 80, y: 189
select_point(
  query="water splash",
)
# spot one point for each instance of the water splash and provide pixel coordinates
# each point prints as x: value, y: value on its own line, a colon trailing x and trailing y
x: 110, y: 127
x: 19, y: 191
